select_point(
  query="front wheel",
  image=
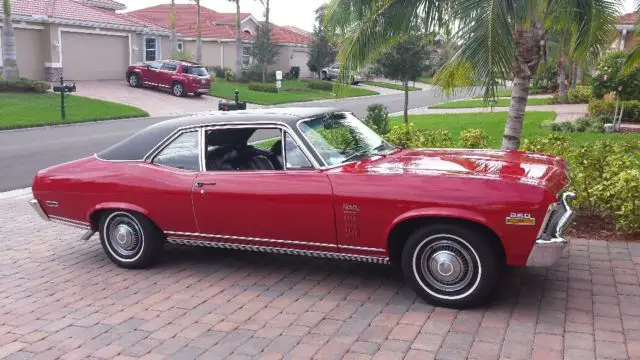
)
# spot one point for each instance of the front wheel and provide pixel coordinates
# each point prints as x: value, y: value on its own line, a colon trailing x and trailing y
x: 178, y: 89
x: 134, y: 80
x: 130, y: 240
x: 451, y: 265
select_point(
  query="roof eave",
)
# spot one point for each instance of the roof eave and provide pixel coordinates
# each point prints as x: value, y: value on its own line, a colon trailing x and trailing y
x: 62, y: 21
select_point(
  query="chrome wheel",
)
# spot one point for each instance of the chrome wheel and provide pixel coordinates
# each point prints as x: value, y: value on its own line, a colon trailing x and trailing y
x: 125, y: 238
x: 133, y: 80
x: 446, y: 266
x: 178, y: 89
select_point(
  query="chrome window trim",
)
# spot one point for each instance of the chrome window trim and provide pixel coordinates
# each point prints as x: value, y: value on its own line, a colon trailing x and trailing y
x: 277, y: 250
x: 176, y: 135
x: 247, y: 238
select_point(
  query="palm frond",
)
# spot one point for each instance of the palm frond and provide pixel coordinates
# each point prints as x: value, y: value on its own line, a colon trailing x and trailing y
x: 595, y: 25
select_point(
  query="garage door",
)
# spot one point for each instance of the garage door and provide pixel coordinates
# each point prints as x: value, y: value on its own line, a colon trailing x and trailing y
x: 94, y: 57
x: 30, y: 54
x: 300, y: 59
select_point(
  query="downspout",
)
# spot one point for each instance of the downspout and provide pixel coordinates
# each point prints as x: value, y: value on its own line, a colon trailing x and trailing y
x: 221, y: 53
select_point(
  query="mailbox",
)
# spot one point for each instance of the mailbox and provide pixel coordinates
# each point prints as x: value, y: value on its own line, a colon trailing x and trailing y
x: 230, y: 105
x: 65, y: 88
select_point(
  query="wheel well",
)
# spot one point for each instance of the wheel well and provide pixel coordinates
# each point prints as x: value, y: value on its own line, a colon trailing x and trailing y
x: 177, y: 82
x: 401, y: 231
x: 95, y: 216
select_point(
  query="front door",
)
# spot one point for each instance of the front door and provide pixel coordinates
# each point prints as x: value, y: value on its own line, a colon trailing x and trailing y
x: 262, y: 205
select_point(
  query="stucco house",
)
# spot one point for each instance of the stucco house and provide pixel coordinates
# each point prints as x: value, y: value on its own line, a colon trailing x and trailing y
x: 218, y: 33
x: 82, y: 39
x: 626, y: 39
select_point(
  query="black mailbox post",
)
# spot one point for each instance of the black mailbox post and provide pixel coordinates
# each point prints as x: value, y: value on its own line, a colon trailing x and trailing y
x: 230, y: 105
x: 64, y: 89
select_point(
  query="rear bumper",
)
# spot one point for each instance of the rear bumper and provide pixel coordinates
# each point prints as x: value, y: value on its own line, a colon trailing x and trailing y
x: 202, y: 91
x: 38, y: 209
x: 549, y: 246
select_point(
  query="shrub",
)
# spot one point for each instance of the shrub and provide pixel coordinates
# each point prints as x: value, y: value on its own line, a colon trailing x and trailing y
x: 268, y: 88
x: 583, y: 124
x: 580, y: 95
x: 437, y: 138
x: 229, y: 75
x: 474, y: 139
x: 610, y: 76
x: 24, y: 85
x: 604, y: 174
x: 377, y: 118
x: 294, y: 72
x: 546, y: 77
x: 182, y: 56
x: 320, y: 85
x: 219, y: 71
x: 406, y: 136
x: 603, y: 107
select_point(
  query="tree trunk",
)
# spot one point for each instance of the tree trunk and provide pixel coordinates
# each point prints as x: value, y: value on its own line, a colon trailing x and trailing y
x: 562, y: 78
x: 9, y: 54
x: 267, y: 36
x: 199, y: 36
x: 528, y: 50
x: 238, y: 42
x: 172, y: 23
x: 574, y: 75
x: 406, y: 101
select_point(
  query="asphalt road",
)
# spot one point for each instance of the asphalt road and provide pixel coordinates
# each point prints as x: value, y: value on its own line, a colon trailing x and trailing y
x: 24, y: 152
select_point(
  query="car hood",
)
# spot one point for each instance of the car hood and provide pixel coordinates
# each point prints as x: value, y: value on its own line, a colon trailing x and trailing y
x: 515, y: 166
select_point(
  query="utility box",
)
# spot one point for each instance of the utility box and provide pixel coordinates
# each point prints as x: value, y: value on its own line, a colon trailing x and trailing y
x: 65, y: 88
x: 231, y: 105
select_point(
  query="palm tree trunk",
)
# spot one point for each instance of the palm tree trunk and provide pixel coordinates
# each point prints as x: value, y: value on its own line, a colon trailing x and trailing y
x: 199, y: 36
x: 9, y: 53
x: 267, y: 34
x: 172, y: 23
x: 238, y: 42
x: 528, y: 50
x: 562, y: 78
x: 574, y: 75
x: 406, y: 101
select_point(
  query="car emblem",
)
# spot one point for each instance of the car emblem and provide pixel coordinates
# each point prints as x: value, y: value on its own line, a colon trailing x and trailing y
x: 520, y: 219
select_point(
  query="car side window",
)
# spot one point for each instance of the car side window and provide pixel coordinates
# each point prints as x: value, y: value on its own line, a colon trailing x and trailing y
x: 182, y: 153
x: 294, y: 157
x: 169, y: 67
x: 155, y: 64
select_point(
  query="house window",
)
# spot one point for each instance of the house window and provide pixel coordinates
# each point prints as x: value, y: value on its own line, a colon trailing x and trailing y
x: 180, y: 46
x: 247, y: 59
x: 151, y: 49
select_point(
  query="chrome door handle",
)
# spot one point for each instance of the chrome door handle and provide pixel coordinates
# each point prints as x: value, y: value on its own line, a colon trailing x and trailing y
x: 202, y: 184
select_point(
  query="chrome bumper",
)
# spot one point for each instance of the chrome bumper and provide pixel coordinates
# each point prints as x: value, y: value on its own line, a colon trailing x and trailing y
x: 203, y: 91
x: 550, y: 244
x: 38, y: 209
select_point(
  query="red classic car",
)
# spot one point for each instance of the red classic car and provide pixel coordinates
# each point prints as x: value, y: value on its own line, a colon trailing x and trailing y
x: 316, y: 182
x: 181, y: 77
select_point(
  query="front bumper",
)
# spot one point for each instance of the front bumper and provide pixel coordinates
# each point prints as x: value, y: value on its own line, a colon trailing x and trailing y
x: 38, y: 209
x: 550, y: 244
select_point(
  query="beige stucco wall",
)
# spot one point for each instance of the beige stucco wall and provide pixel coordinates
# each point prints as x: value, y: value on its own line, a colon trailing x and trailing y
x: 165, y: 48
x: 290, y: 56
x: 230, y: 55
x: 631, y: 41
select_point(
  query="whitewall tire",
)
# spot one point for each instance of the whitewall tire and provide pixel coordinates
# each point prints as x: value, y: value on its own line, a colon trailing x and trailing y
x: 129, y: 239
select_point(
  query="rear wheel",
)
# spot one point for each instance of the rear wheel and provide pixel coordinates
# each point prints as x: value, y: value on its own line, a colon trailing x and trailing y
x: 452, y: 266
x: 178, y: 89
x: 130, y: 240
x: 323, y: 76
x: 134, y: 80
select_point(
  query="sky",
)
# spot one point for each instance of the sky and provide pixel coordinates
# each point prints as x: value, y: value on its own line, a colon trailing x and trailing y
x: 298, y: 13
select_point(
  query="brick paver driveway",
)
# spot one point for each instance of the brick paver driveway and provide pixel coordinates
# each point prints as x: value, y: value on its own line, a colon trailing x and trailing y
x: 61, y: 297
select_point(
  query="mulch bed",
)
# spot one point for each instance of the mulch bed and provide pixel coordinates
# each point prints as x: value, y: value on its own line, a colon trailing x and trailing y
x: 598, y: 228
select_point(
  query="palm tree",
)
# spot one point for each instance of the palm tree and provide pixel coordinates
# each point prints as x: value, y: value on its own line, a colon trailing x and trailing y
x: 238, y: 41
x: 199, y: 33
x: 172, y: 24
x: 9, y: 54
x: 634, y: 56
x: 499, y: 39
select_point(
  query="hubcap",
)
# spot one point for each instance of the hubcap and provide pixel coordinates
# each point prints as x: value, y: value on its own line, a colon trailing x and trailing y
x: 177, y: 89
x: 133, y: 80
x: 447, y: 266
x: 125, y: 236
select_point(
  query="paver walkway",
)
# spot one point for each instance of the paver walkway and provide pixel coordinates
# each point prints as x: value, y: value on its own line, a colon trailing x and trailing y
x: 61, y: 298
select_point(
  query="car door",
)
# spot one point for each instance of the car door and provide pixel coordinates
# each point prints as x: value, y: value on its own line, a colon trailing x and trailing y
x: 165, y: 75
x: 150, y: 72
x: 289, y: 207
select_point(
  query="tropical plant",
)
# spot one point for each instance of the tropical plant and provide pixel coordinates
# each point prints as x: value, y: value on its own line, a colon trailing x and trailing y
x: 499, y: 40
x: 264, y: 51
x: 377, y: 118
x: 199, y: 33
x: 238, y: 70
x: 634, y: 56
x: 9, y: 53
x: 322, y: 52
x: 611, y: 76
x: 172, y: 25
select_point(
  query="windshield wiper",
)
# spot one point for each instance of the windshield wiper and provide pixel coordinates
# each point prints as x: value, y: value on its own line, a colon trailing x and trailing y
x: 354, y: 155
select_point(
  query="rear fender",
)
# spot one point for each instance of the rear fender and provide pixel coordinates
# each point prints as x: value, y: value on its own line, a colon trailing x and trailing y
x: 117, y: 206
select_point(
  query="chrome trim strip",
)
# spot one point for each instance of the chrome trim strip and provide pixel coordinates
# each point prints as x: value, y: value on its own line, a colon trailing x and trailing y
x: 546, y: 252
x: 546, y: 219
x: 231, y: 237
x: 51, y: 203
x: 38, y: 209
x: 70, y: 222
x: 361, y: 248
x: 567, y: 216
x: 275, y: 250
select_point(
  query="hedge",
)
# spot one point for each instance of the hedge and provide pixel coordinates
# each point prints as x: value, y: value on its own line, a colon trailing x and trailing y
x: 607, y: 108
x: 320, y: 85
x: 268, y: 88
x: 24, y: 85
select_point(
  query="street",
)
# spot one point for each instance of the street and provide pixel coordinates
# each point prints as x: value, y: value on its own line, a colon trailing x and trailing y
x: 24, y: 152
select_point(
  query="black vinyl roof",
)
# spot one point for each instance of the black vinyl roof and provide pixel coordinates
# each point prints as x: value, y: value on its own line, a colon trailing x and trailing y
x: 138, y: 145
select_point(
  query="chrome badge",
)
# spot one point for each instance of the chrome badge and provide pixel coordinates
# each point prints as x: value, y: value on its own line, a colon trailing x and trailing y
x: 520, y: 219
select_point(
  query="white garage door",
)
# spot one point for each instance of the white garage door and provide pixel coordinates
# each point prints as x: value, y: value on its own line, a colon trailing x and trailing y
x: 300, y: 59
x: 94, y: 57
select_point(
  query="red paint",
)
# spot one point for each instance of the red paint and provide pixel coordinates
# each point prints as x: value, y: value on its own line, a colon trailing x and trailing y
x: 355, y: 205
x: 150, y: 76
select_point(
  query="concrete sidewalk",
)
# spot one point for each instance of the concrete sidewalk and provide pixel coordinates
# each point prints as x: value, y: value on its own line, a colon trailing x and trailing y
x: 566, y: 112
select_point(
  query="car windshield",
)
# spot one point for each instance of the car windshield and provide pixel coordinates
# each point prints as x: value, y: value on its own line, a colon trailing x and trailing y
x: 341, y: 137
x: 198, y: 70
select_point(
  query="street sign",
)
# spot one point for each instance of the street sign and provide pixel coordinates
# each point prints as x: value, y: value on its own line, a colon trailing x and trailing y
x: 278, y: 84
x: 278, y: 75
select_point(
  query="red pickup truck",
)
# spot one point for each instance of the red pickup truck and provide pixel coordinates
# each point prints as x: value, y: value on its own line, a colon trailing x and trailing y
x: 181, y: 77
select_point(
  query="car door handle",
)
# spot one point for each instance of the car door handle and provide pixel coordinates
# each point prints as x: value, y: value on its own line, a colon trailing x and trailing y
x: 202, y: 184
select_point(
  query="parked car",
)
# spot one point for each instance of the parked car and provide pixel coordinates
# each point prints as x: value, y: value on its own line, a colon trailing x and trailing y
x: 333, y: 72
x: 316, y: 182
x: 181, y: 77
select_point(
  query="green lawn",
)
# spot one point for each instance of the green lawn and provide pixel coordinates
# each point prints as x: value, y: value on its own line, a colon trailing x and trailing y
x: 390, y: 85
x: 425, y: 79
x: 291, y: 91
x: 20, y: 110
x: 480, y: 103
x: 493, y: 124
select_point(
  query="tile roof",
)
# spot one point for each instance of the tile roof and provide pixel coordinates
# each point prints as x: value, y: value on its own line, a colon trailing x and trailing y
x: 627, y: 19
x: 214, y: 24
x: 105, y: 4
x: 50, y: 10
